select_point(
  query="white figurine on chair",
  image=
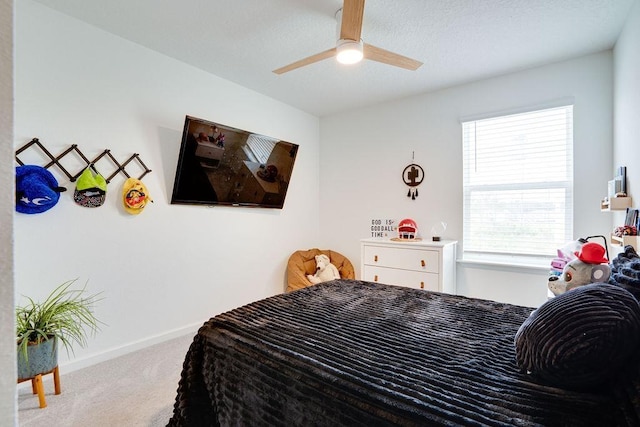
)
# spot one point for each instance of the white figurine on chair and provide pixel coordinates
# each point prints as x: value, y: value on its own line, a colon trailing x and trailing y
x: 325, y: 271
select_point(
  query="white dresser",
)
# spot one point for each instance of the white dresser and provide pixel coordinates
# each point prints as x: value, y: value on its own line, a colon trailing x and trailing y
x: 416, y: 264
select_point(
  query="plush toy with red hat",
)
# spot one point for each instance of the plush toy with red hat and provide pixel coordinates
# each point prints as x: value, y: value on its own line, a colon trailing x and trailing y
x: 590, y: 266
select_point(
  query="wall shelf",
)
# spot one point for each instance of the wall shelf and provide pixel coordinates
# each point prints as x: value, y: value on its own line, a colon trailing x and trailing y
x: 615, y: 204
x: 625, y: 240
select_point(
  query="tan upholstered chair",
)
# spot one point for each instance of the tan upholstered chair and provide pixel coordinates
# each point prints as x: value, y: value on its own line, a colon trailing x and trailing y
x: 302, y: 263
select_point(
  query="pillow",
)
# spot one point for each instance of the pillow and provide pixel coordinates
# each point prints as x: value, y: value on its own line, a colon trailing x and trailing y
x: 582, y: 338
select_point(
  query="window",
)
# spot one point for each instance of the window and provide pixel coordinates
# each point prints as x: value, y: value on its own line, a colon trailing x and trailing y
x: 259, y: 147
x: 518, y: 183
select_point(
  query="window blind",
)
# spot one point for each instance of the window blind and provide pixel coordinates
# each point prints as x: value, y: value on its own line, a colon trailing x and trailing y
x: 518, y: 183
x: 261, y: 147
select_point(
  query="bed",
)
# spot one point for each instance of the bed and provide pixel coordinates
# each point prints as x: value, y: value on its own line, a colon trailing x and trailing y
x: 349, y: 353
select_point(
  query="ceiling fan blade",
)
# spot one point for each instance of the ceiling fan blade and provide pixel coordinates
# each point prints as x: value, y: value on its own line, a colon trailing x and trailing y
x: 380, y: 55
x: 352, y: 13
x: 307, y: 61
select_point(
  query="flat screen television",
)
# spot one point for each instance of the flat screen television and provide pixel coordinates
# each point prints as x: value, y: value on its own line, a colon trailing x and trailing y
x: 221, y: 165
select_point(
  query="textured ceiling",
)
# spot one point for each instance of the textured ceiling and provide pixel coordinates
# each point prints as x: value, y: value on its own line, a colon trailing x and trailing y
x: 457, y: 40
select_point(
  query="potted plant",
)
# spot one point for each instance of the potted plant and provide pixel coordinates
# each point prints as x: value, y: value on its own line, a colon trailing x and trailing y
x: 65, y: 316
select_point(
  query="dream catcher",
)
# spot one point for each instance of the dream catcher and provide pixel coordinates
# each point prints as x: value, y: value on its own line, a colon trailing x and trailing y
x: 412, y: 177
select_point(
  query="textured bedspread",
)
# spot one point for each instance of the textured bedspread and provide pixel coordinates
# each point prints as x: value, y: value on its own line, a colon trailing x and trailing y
x: 356, y: 353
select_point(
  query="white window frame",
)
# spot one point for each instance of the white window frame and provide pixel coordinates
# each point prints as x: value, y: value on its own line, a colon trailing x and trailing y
x: 498, y: 249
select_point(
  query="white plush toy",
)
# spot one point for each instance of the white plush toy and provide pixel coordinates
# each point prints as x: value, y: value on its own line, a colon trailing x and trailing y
x: 325, y: 271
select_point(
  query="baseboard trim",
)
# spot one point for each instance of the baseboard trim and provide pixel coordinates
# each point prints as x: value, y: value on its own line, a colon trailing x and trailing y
x: 75, y: 364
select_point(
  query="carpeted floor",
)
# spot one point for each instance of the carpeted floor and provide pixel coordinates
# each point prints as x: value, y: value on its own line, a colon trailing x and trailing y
x: 137, y: 389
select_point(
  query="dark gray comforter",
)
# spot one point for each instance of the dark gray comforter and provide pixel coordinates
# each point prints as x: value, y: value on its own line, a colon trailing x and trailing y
x: 357, y: 353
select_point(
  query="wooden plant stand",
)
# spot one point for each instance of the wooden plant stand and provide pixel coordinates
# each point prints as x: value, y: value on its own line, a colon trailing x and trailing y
x: 38, y: 388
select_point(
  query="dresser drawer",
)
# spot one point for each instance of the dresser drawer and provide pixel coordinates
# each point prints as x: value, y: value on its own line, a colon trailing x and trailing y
x: 410, y: 279
x: 405, y: 259
x: 414, y: 264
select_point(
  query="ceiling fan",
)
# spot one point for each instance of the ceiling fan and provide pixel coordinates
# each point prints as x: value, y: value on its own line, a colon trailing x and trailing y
x: 350, y: 48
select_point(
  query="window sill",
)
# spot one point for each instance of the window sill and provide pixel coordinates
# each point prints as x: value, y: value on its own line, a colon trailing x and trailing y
x: 521, y: 264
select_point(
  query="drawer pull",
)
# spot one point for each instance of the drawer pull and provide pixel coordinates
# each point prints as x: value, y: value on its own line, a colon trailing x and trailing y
x: 375, y: 258
x: 421, y: 285
x: 423, y: 263
x: 375, y: 278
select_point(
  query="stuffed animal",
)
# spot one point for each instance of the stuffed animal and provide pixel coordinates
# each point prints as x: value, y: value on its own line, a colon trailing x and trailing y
x: 325, y: 271
x: 590, y: 266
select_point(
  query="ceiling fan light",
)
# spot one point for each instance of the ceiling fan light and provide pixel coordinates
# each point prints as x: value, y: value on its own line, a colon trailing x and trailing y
x: 349, y: 51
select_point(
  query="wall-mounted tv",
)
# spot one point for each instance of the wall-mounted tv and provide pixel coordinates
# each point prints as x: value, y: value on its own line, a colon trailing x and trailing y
x: 221, y: 165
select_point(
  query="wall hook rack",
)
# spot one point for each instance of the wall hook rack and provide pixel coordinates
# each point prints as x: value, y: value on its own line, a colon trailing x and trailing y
x: 55, y: 160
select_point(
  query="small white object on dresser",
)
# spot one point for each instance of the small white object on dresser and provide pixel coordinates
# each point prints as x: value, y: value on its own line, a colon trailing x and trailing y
x: 415, y: 264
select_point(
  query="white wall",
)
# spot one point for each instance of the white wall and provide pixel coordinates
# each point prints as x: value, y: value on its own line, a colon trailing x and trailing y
x: 7, y: 349
x: 627, y: 105
x: 168, y: 269
x: 364, y: 152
